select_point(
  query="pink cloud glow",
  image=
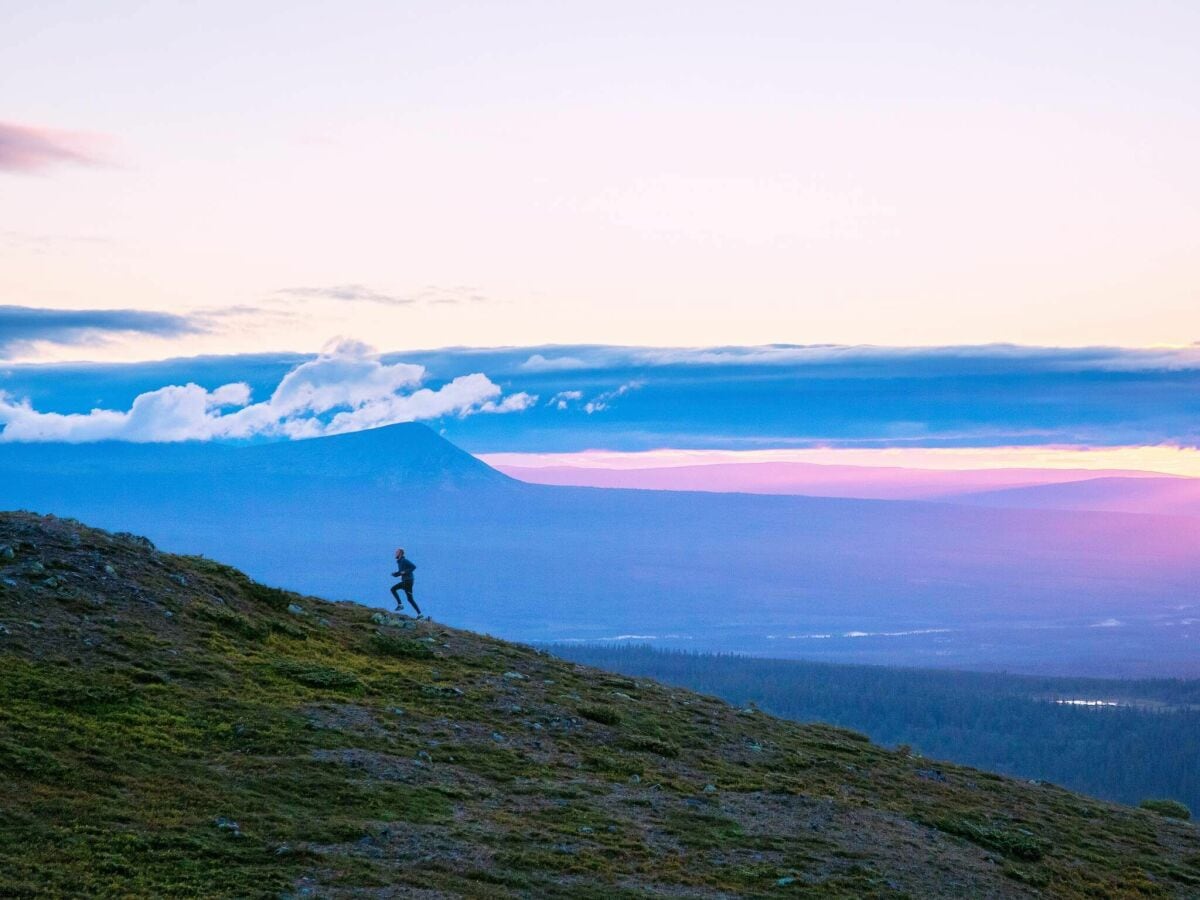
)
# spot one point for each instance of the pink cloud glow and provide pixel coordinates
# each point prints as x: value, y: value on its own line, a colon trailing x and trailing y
x: 30, y: 149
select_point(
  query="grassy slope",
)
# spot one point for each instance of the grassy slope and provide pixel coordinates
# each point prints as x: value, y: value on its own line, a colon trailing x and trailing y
x: 170, y: 728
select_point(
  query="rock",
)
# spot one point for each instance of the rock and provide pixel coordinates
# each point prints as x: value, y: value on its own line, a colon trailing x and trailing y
x: 497, y: 737
x: 424, y: 757
x: 4, y: 629
x: 179, y: 580
x: 11, y: 582
x: 228, y: 825
x: 109, y: 570
x: 635, y: 779
x: 51, y: 582
x: 515, y: 676
x: 296, y: 609
x: 710, y: 789
x: 586, y: 829
x: 785, y: 881
x: 37, y: 568
x: 7, y: 552
x: 384, y: 619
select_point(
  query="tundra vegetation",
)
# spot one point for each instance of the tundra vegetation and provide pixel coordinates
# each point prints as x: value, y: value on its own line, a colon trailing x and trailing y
x: 170, y: 728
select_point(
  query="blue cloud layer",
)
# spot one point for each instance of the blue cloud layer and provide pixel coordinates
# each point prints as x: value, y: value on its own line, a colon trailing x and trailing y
x: 19, y: 325
x: 737, y: 397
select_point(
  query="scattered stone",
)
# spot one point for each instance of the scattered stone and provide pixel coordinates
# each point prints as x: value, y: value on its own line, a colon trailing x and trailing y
x: 635, y: 779
x: 621, y: 696
x: 179, y: 580
x: 51, y: 582
x: 931, y: 775
x: 37, y: 568
x: 228, y: 825
x: 7, y: 552
x: 109, y: 570
x: 710, y: 789
x: 424, y: 757
x: 396, y: 711
x: 4, y: 629
x: 785, y: 881
x: 11, y: 582
x: 497, y: 737
x: 586, y: 829
x: 515, y: 676
x: 747, y: 711
x: 296, y: 609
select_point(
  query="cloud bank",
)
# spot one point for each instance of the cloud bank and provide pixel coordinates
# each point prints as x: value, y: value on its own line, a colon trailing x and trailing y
x: 346, y: 388
x: 22, y: 325
x: 28, y: 149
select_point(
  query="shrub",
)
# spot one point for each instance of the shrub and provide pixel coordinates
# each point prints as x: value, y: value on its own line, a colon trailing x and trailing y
x: 1172, y: 809
x: 404, y: 648
x: 605, y: 715
x: 1013, y: 843
x: 232, y: 621
x: 647, y: 744
x: 317, y: 676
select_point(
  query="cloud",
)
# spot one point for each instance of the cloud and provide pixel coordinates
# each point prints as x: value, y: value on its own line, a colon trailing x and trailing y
x: 539, y: 363
x: 28, y: 149
x: 601, y: 402
x: 360, y: 293
x: 22, y: 325
x: 564, y: 399
x: 346, y: 388
x: 346, y: 292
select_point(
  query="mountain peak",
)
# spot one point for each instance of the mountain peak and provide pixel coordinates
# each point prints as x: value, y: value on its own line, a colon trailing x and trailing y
x: 172, y: 728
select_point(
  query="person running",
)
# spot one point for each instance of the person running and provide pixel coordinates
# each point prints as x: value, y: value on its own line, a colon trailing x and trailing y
x: 404, y: 570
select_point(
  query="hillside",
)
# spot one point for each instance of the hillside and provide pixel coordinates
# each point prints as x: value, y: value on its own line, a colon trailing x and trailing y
x: 171, y: 728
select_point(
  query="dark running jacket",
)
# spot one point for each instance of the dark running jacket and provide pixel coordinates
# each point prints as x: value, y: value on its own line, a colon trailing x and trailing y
x: 404, y: 569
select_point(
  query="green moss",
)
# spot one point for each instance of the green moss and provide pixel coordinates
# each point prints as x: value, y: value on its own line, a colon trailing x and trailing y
x: 1014, y: 842
x: 648, y: 744
x: 318, y: 676
x: 1172, y: 809
x: 602, y: 713
x: 403, y: 648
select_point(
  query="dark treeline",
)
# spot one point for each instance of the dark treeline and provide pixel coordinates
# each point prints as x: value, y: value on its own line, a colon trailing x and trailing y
x: 1004, y: 723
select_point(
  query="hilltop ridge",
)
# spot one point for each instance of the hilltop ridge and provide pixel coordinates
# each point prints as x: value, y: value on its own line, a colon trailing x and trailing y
x: 173, y: 728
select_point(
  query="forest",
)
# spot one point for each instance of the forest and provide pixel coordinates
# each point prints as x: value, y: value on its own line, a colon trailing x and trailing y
x: 1121, y: 740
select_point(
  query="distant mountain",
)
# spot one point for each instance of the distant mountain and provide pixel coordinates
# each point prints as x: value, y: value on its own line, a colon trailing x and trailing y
x: 1155, y: 496
x: 171, y: 728
x: 810, y: 479
x: 408, y: 455
x: 851, y: 580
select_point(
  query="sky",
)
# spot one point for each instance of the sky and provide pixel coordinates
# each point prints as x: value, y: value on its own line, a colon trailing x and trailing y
x: 229, y: 178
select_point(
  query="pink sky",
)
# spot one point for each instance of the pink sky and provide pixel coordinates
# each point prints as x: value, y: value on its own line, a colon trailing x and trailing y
x: 1162, y: 459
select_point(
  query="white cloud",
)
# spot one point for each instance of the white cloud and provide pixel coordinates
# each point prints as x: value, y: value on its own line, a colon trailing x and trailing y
x: 563, y: 399
x: 346, y: 388
x: 539, y: 363
x: 601, y: 402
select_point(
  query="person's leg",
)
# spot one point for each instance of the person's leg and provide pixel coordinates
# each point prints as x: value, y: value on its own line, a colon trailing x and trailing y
x: 396, y: 594
x: 408, y: 592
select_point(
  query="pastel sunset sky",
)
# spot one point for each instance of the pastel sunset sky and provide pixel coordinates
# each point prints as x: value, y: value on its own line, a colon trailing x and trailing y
x: 427, y: 174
